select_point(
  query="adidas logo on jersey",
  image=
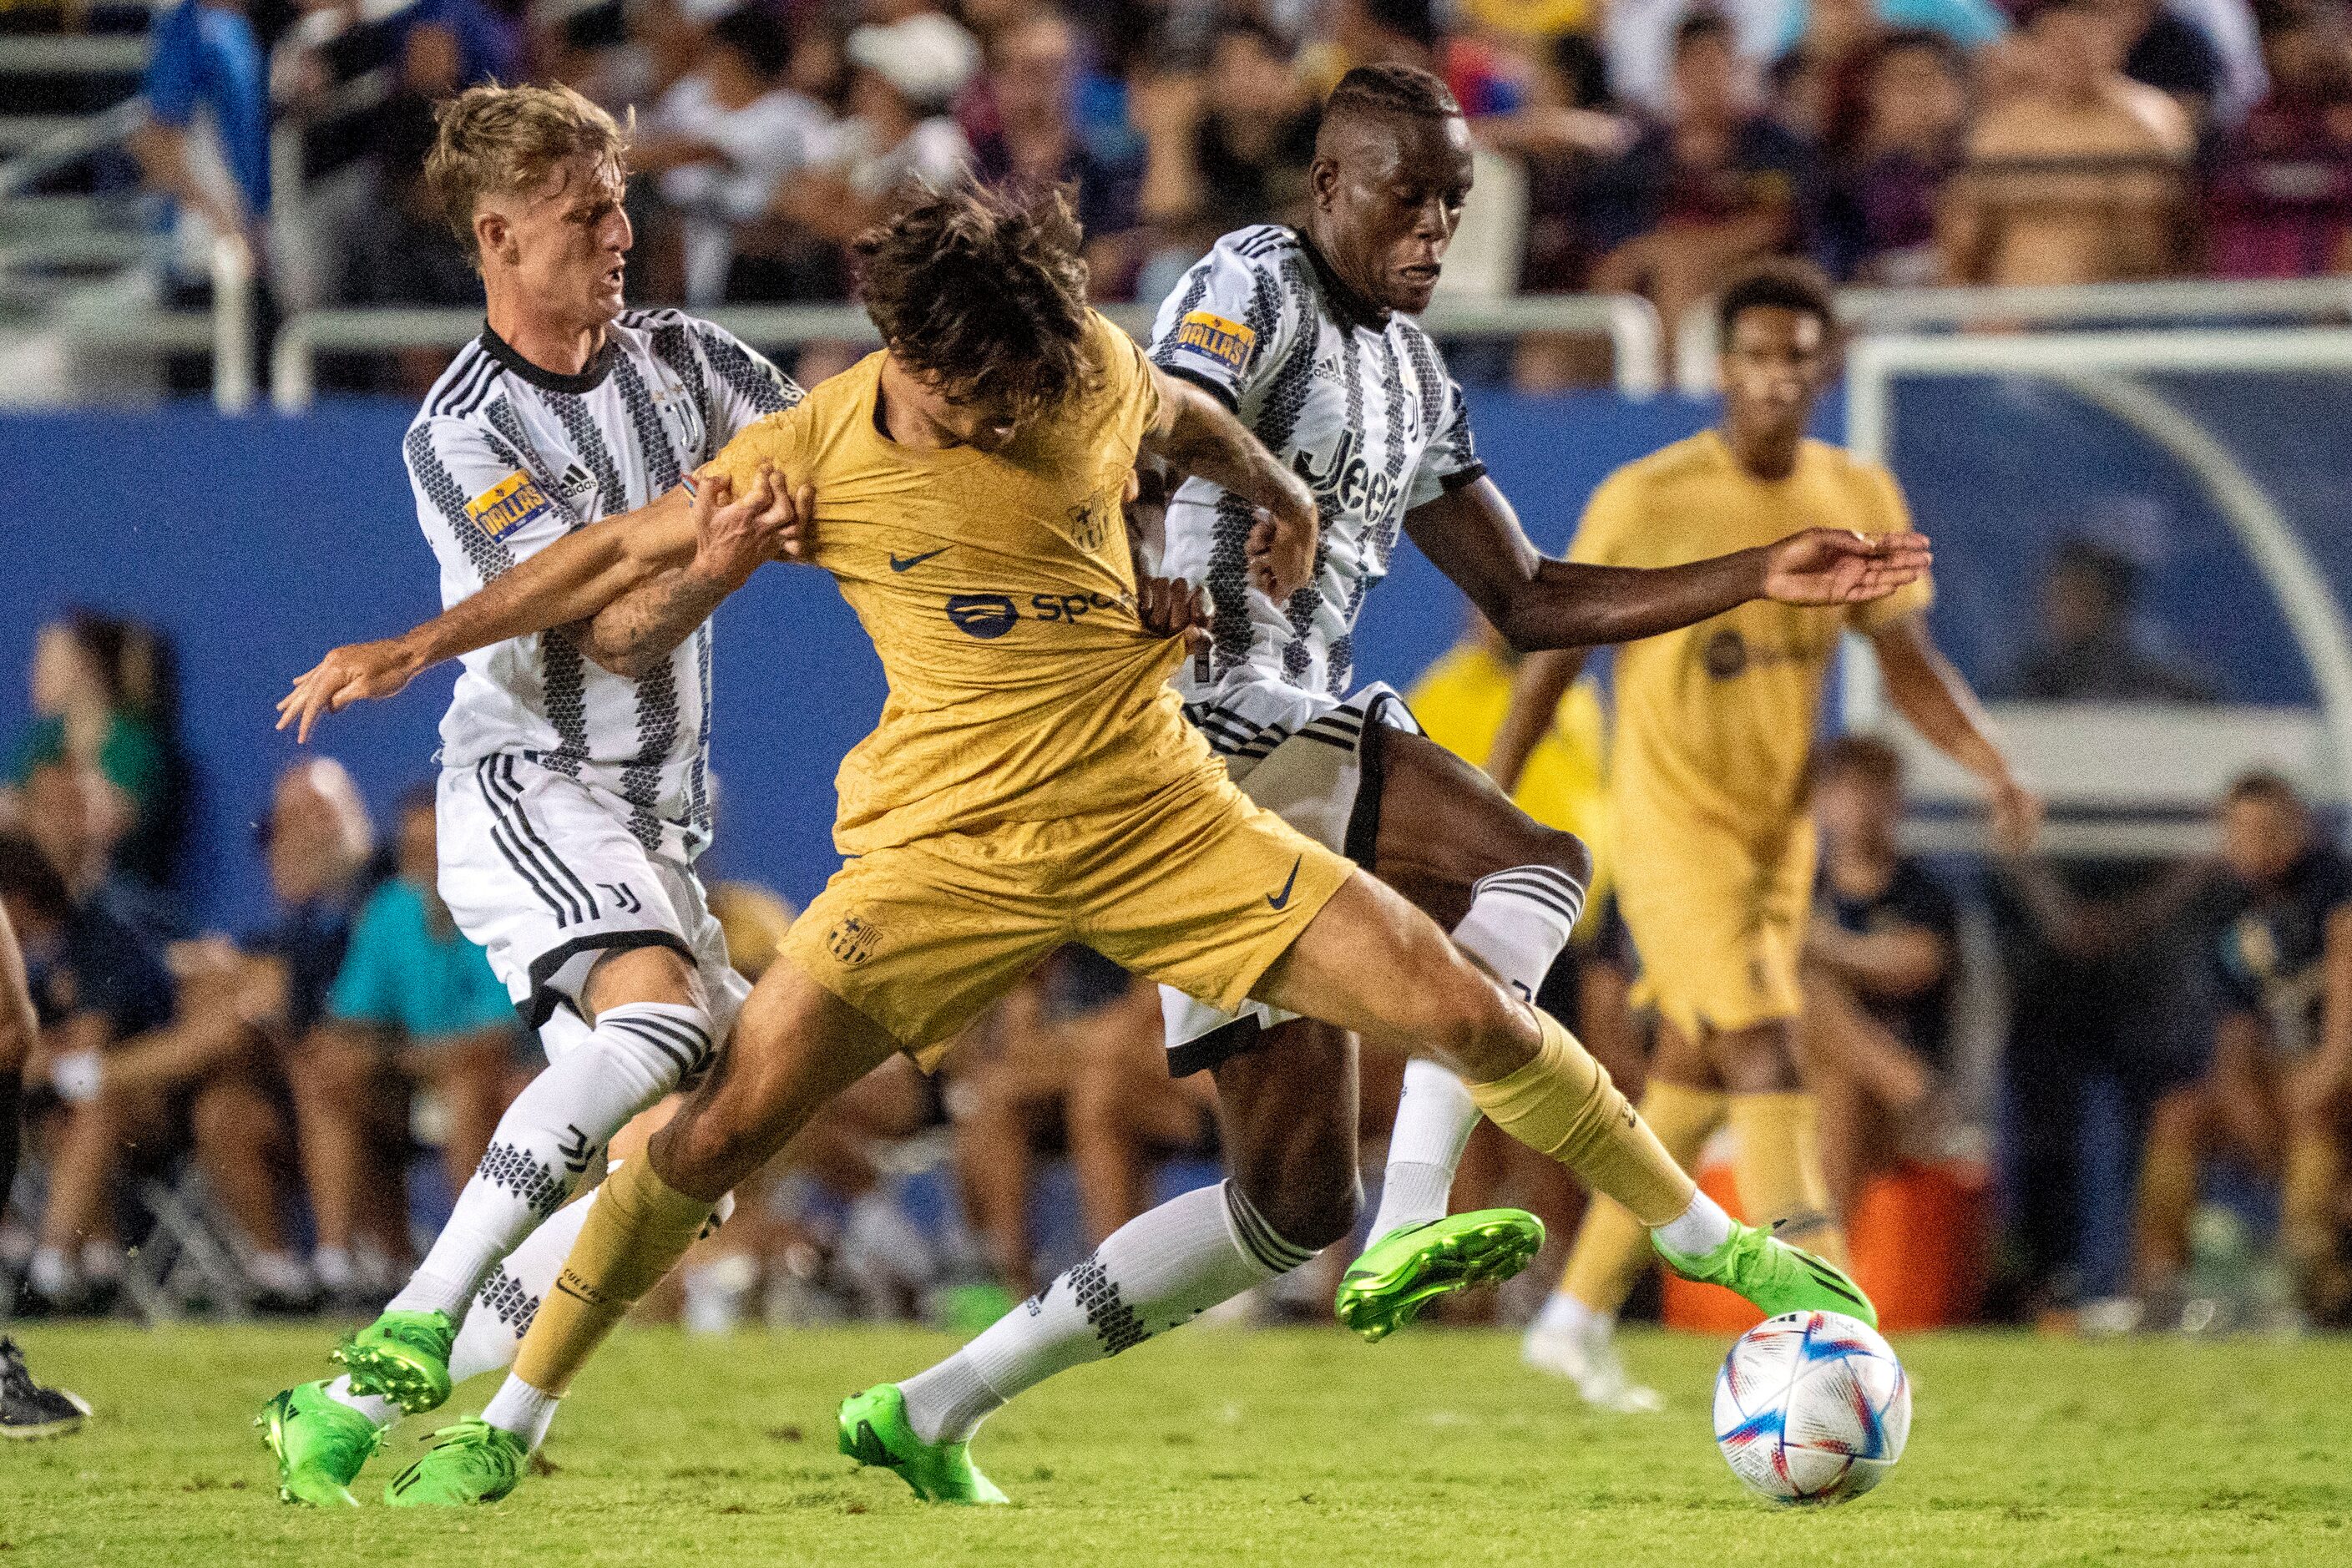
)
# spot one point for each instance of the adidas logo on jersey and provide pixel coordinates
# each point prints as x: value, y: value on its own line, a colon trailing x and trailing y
x: 575, y: 485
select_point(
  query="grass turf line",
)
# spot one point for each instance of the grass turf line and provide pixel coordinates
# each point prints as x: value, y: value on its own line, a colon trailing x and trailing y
x: 1300, y: 1448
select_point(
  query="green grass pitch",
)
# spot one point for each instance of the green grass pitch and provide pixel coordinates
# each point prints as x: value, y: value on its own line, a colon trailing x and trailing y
x: 1216, y: 1446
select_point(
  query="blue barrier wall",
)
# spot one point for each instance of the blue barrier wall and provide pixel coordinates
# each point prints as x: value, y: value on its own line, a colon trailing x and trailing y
x: 260, y: 543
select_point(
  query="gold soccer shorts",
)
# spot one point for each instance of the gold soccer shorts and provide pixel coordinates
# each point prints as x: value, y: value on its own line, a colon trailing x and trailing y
x: 1197, y: 888
x: 1719, y: 926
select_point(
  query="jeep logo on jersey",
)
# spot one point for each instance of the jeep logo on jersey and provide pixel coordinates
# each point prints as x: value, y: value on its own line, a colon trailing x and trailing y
x: 1348, y: 481
x: 983, y: 616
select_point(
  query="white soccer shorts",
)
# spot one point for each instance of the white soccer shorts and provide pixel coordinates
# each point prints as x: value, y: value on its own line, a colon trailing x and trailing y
x: 542, y: 871
x: 1300, y: 754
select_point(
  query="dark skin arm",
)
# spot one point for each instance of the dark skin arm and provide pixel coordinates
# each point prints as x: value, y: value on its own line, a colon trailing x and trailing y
x: 1473, y: 536
x: 1540, y: 603
x: 1923, y: 687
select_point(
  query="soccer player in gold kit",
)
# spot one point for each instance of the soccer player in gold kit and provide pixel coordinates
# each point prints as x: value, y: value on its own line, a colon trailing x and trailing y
x: 1032, y: 782
x: 1714, y: 729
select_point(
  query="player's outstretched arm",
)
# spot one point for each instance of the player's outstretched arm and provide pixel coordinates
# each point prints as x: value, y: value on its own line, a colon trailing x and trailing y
x: 571, y: 581
x: 1197, y: 434
x: 1474, y: 537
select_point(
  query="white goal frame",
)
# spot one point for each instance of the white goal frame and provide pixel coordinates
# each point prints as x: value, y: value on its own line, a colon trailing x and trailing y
x: 2104, y: 368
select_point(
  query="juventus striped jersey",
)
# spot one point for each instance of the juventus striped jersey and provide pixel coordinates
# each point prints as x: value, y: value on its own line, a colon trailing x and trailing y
x: 506, y: 458
x: 1358, y: 404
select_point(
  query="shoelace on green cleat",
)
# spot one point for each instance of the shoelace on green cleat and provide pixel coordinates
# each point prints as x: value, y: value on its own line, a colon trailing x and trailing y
x: 470, y: 1463
x: 1773, y: 1275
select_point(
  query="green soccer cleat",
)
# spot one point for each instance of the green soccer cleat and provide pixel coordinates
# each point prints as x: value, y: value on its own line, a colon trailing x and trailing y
x: 470, y: 1464
x: 403, y: 1357
x: 1774, y: 1277
x: 1405, y: 1271
x: 875, y: 1431
x: 320, y: 1445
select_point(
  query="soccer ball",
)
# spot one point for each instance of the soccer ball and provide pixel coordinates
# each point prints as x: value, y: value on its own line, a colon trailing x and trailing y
x: 1811, y: 1407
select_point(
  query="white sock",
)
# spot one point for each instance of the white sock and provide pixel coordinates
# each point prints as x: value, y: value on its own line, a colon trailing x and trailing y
x: 636, y: 1054
x: 49, y: 1273
x: 333, y: 1267
x: 523, y: 1410
x: 1564, y: 1314
x: 502, y: 1310
x: 1697, y: 1230
x: 375, y: 1407
x: 1519, y: 919
x: 280, y: 1271
x: 1434, y: 1120
x: 1158, y: 1270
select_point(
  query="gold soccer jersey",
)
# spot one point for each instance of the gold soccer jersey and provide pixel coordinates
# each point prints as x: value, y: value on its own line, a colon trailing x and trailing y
x: 1714, y: 722
x: 1032, y: 780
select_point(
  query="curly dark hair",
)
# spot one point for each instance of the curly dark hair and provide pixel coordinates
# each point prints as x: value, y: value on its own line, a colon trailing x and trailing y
x: 983, y: 291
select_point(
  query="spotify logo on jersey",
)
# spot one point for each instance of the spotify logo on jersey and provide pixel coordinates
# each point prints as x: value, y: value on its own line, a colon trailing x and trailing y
x: 983, y: 616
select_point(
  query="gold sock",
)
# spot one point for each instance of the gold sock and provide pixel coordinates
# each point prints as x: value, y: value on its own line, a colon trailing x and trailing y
x: 2307, y: 1201
x: 1562, y: 1104
x: 638, y: 1227
x: 1611, y: 1246
x: 1779, y: 1164
x: 2167, y: 1195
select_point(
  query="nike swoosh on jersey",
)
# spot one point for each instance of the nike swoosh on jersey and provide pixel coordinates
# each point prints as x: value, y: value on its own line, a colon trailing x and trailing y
x: 908, y: 563
x: 1282, y: 898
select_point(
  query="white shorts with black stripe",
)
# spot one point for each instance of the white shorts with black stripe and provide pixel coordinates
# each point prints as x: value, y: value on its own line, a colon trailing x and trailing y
x: 542, y: 872
x: 1301, y: 755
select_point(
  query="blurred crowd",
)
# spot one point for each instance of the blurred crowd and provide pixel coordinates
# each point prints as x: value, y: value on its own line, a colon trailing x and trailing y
x: 1647, y: 145
x: 267, y: 1119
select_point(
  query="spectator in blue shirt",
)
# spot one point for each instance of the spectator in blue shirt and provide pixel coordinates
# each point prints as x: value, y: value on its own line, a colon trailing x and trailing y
x: 414, y: 1007
x: 207, y: 92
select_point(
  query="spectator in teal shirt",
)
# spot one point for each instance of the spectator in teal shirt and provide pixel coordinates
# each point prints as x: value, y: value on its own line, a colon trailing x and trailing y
x: 415, y: 1007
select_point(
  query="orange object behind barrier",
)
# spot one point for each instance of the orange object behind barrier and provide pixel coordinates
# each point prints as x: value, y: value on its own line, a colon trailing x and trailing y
x: 1918, y: 1235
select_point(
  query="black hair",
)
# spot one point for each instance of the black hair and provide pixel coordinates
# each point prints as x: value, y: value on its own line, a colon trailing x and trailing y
x: 763, y: 42
x: 1781, y: 283
x: 1948, y: 55
x: 2116, y: 572
x: 1700, y: 27
x: 1392, y: 88
x: 2261, y: 783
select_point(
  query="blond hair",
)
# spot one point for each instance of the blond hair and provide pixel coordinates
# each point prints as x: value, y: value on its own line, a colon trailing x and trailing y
x: 493, y: 140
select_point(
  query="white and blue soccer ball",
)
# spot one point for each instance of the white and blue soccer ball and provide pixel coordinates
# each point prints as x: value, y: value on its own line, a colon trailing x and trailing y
x: 1811, y: 1407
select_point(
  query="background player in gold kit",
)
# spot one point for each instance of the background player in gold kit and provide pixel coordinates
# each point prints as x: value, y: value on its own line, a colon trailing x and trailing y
x: 1032, y: 782
x: 1714, y: 727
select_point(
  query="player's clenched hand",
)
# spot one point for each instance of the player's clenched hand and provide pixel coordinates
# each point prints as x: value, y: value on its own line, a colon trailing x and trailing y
x: 1282, y: 545
x: 356, y: 672
x: 1838, y: 566
x: 735, y: 536
x: 1169, y: 606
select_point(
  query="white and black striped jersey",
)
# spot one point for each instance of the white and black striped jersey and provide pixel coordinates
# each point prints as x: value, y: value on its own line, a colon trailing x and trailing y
x: 1359, y: 404
x: 506, y: 458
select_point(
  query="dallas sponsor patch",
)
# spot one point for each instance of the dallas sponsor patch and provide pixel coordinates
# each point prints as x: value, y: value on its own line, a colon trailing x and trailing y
x: 509, y: 505
x: 1212, y: 337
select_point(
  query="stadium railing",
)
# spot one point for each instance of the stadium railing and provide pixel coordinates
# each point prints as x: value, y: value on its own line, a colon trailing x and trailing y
x: 2181, y: 302
x: 1629, y: 322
